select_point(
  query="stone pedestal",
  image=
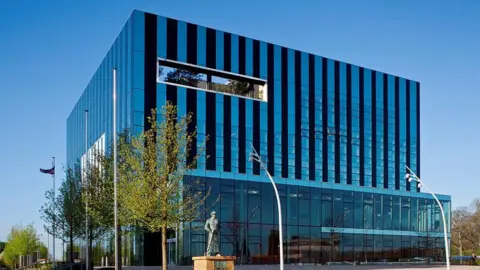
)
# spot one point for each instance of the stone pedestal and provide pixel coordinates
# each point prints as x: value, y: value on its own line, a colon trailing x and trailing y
x: 213, y: 263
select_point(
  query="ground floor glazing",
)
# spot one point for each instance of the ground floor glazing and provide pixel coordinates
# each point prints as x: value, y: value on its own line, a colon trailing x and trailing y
x: 320, y: 225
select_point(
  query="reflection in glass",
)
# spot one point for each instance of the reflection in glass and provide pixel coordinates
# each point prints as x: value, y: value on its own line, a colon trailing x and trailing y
x: 198, y: 77
x: 318, y: 225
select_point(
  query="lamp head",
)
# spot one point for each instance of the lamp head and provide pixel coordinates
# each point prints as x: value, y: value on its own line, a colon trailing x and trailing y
x: 419, y: 185
x: 407, y: 176
x: 250, y: 157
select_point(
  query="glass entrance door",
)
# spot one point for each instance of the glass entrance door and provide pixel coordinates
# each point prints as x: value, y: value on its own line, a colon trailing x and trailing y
x: 171, y: 251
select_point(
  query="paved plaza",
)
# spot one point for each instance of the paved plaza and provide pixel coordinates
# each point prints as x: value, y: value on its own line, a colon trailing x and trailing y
x: 321, y: 267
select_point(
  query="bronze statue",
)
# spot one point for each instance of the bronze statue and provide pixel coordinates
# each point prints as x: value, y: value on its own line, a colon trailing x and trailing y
x: 212, y: 227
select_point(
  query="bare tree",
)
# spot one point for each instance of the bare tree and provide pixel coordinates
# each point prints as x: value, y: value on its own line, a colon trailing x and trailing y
x: 466, y: 229
x: 237, y: 235
x: 475, y: 221
x: 336, y: 225
x: 461, y: 228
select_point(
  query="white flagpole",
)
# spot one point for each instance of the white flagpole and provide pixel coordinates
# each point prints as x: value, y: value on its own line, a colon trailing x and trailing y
x: 54, y: 217
x: 115, y: 210
x: 48, y: 247
x: 87, y: 246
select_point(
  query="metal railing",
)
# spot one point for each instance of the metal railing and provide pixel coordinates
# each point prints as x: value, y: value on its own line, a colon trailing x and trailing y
x: 70, y: 266
x: 36, y: 265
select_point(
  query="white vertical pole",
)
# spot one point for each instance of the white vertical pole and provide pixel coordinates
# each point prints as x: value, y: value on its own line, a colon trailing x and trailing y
x: 176, y: 245
x: 447, y: 252
x: 54, y: 218
x: 87, y: 246
x: 280, y: 226
x: 48, y: 247
x: 117, y: 233
x: 257, y: 158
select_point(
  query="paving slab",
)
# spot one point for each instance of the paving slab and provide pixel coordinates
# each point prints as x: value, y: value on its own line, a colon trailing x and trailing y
x: 320, y: 267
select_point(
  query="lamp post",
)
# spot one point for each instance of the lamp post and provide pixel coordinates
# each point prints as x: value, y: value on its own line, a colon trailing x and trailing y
x: 115, y: 180
x: 54, y: 218
x: 255, y: 156
x: 87, y: 240
x: 411, y: 176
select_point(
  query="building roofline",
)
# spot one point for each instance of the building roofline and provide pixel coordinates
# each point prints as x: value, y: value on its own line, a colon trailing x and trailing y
x: 281, y: 45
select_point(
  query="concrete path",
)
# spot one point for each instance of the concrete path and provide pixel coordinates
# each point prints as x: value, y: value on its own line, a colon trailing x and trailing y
x: 319, y: 267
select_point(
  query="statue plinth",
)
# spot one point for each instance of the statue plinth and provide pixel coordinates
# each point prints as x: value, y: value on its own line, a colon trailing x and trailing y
x: 213, y: 263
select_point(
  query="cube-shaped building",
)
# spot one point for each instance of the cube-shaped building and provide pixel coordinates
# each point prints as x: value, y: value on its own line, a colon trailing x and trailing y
x: 335, y: 137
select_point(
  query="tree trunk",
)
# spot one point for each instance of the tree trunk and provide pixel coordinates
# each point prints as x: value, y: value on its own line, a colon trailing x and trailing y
x: 119, y: 251
x: 70, y: 254
x: 479, y: 241
x: 331, y: 249
x: 164, y: 248
x: 460, y: 248
x: 90, y: 253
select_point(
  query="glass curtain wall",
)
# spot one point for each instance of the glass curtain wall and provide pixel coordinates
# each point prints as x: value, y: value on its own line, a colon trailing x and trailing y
x: 320, y: 225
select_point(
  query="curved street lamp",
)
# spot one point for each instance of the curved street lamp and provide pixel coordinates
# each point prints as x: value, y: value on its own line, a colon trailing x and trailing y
x: 411, y: 176
x: 255, y: 156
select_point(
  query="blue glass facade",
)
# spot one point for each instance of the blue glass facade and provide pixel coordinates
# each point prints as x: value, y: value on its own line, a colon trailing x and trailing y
x: 335, y: 137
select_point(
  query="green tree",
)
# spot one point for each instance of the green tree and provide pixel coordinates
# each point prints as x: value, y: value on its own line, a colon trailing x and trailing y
x: 22, y: 240
x: 185, y: 77
x: 43, y: 250
x: 66, y: 212
x: 151, y: 170
x: 240, y: 87
x: 100, y: 189
x: 2, y: 263
x: 100, y: 193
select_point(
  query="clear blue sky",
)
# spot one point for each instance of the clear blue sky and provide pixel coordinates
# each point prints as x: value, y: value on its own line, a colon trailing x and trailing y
x: 50, y: 49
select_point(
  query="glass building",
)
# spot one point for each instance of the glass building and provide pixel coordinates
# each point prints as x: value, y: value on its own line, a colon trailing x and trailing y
x: 336, y: 138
